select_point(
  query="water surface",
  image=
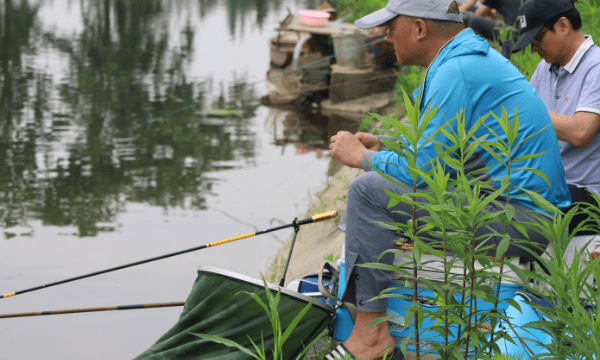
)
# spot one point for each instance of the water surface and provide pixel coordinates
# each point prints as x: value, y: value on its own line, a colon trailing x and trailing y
x: 108, y: 156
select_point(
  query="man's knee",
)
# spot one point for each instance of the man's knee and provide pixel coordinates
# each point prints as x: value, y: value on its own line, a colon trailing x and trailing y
x: 363, y: 185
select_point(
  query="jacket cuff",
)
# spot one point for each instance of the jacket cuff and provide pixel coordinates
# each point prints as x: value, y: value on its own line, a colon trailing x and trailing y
x: 367, y: 160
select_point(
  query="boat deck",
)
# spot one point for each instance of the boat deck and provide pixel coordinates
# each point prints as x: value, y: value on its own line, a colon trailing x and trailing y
x: 331, y: 29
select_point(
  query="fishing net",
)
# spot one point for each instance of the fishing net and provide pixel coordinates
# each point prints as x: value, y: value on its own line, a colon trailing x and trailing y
x: 216, y: 307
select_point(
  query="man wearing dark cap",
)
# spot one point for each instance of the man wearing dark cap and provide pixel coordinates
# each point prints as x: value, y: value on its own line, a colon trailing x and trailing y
x: 568, y: 81
x: 463, y: 74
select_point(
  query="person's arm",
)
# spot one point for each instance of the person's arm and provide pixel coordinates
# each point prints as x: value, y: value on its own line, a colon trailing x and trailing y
x: 483, y: 10
x: 578, y: 130
x: 487, y: 8
x: 370, y: 141
x: 450, y: 97
x: 467, y: 5
x: 347, y: 149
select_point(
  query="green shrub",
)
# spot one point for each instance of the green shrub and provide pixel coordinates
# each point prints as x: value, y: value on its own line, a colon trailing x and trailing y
x: 590, y: 15
x: 456, y: 210
x: 526, y: 61
x: 411, y: 78
x: 357, y: 9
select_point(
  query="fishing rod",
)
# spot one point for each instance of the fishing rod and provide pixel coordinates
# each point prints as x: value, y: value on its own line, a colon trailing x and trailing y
x: 295, y: 223
x: 84, y: 310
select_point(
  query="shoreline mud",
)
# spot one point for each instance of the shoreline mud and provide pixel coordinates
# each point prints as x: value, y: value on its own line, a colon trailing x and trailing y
x: 319, y: 242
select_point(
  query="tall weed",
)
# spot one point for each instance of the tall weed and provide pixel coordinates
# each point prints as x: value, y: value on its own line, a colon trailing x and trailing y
x: 456, y: 210
x: 566, y: 289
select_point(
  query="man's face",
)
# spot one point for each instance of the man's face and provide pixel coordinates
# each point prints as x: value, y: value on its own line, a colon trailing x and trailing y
x: 399, y: 32
x: 549, y: 44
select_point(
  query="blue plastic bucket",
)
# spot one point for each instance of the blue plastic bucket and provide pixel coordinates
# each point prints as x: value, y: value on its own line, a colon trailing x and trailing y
x: 398, y: 307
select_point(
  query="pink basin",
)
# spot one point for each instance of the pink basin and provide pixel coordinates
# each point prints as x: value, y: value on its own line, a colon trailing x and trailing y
x: 313, y: 18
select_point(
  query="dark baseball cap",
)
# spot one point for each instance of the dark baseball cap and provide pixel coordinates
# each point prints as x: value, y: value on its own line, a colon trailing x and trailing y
x: 534, y: 13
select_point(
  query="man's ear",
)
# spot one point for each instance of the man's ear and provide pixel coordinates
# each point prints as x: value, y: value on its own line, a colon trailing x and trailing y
x: 562, y: 26
x: 420, y: 30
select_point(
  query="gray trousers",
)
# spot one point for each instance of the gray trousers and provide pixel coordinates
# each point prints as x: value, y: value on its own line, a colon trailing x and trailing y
x: 365, y: 240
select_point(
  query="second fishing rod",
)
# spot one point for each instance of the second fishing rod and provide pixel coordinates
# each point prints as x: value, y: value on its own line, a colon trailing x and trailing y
x: 295, y: 224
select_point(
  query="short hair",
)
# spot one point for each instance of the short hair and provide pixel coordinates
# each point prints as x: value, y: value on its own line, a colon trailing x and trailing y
x: 572, y: 15
x: 441, y: 24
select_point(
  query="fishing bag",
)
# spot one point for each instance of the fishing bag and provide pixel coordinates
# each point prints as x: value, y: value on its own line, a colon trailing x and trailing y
x: 217, y: 306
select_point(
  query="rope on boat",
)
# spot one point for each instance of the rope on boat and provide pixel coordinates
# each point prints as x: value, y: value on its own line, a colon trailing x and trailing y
x: 84, y: 310
x: 315, y: 218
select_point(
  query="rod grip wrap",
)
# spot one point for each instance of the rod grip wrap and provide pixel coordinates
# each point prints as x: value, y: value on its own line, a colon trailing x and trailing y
x: 230, y: 239
x: 319, y: 217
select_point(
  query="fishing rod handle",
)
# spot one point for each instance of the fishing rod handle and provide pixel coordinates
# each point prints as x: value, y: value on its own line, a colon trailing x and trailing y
x: 230, y: 240
x: 319, y: 217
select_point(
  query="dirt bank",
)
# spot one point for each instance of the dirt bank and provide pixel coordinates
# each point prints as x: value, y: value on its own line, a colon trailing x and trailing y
x: 320, y: 241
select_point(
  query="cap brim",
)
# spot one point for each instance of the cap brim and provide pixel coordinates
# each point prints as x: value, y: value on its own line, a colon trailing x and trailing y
x: 526, y: 38
x: 375, y: 19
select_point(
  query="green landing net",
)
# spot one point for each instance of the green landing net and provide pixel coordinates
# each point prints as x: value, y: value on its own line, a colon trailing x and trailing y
x: 215, y: 306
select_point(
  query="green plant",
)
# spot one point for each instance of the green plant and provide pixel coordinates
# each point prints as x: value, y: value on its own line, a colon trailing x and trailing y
x: 571, y: 287
x: 526, y: 61
x: 331, y: 258
x: 590, y: 16
x: 280, y: 335
x: 411, y: 78
x: 456, y: 211
x: 367, y: 124
x: 357, y: 9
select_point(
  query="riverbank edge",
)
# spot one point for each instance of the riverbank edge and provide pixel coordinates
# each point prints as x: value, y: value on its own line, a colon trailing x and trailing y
x: 319, y: 242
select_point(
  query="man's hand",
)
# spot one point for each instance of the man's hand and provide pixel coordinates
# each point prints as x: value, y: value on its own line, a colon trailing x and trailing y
x: 347, y: 149
x: 371, y: 142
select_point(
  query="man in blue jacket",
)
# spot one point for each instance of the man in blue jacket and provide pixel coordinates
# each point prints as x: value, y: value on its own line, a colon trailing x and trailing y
x: 463, y: 73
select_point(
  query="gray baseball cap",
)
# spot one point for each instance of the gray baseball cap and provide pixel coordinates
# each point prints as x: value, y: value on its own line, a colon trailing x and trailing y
x: 425, y: 9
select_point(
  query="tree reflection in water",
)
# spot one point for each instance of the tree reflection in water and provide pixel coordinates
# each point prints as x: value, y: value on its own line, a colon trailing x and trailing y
x: 75, y: 152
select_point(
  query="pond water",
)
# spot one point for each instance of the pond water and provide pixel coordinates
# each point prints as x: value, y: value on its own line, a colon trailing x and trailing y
x: 109, y: 155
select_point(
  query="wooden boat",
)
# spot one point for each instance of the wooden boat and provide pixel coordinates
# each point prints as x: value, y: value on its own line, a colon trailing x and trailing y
x: 356, y: 72
x: 282, y: 48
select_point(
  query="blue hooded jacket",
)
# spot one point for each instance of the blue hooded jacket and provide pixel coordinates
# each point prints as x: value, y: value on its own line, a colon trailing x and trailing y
x: 468, y: 74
